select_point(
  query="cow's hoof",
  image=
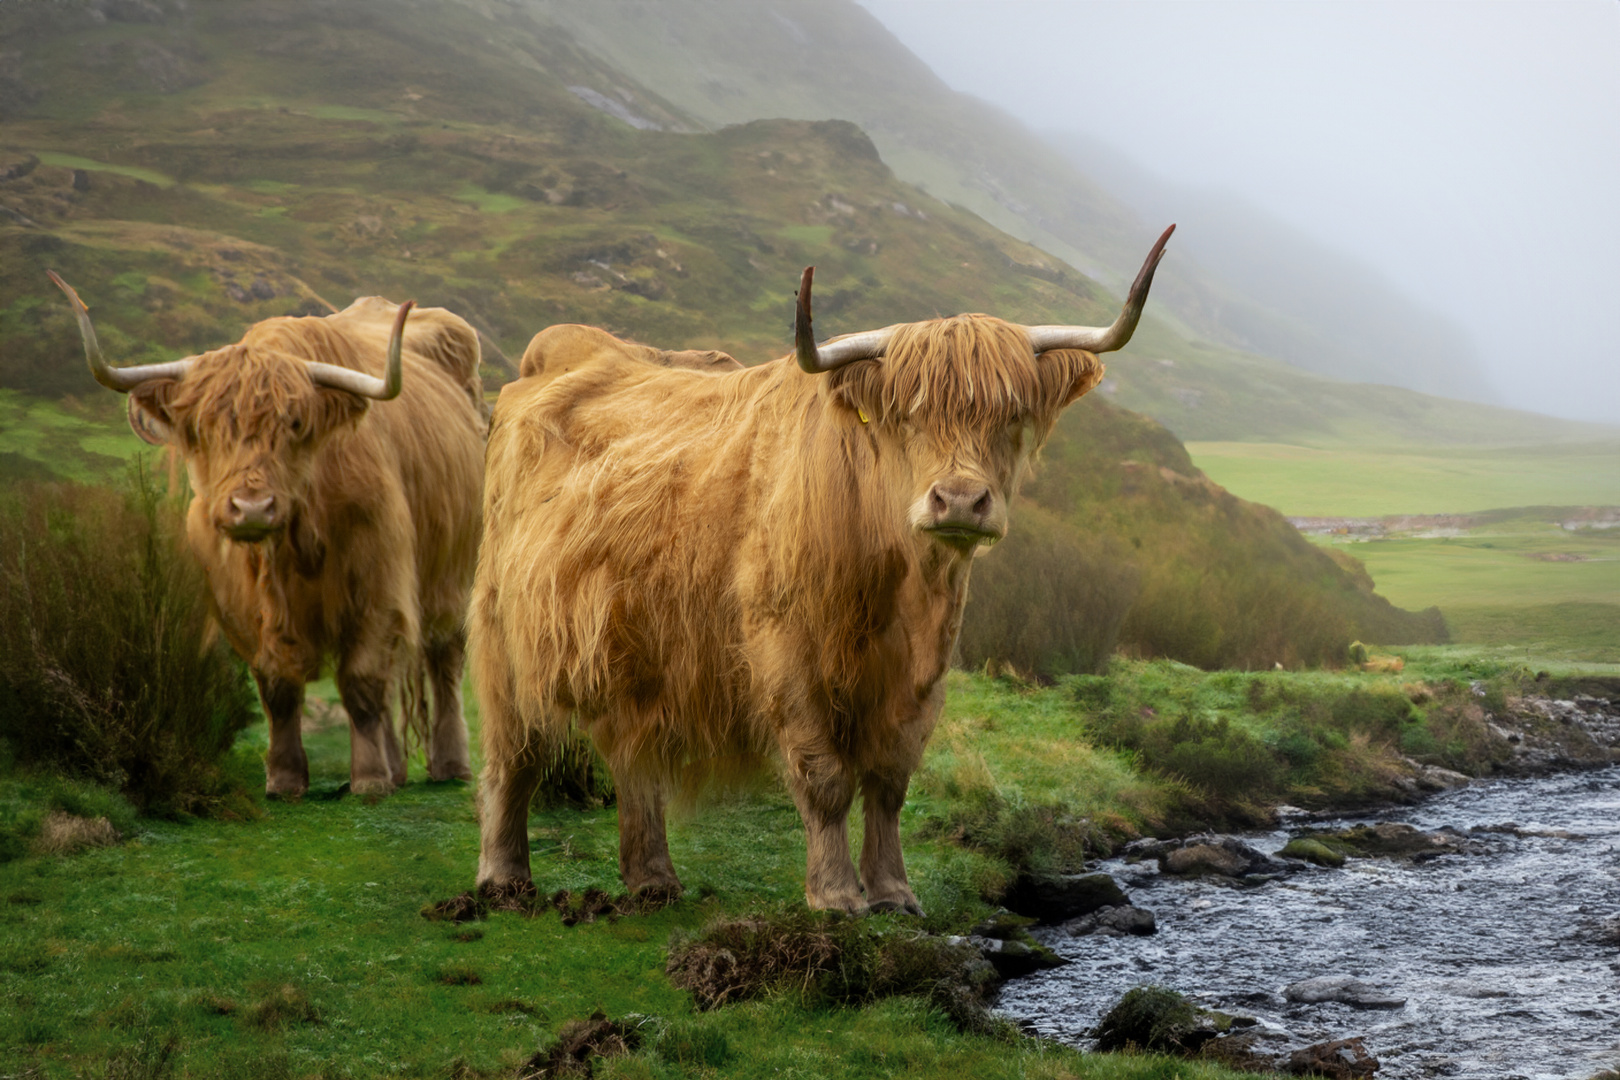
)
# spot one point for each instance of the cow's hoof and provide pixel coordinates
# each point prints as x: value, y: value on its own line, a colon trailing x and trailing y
x: 449, y: 772
x: 850, y: 904
x: 285, y: 794
x: 375, y: 788
x: 905, y: 907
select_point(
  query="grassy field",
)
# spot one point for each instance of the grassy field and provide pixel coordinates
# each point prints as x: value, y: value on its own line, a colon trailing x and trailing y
x: 1513, y: 579
x: 1351, y: 481
x: 292, y: 945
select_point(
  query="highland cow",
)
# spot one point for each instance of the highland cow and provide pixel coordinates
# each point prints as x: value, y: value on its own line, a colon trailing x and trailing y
x: 771, y: 562
x: 335, y: 512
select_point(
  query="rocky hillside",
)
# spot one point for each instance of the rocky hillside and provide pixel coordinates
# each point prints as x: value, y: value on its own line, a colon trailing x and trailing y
x: 193, y: 168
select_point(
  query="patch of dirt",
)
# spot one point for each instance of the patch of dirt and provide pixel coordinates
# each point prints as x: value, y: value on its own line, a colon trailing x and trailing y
x: 525, y: 900
x: 579, y: 1042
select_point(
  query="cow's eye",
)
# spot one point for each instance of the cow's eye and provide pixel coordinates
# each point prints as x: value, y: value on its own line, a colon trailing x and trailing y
x: 297, y: 426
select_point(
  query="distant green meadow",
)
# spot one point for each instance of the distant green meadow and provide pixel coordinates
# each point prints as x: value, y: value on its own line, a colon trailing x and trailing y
x: 1352, y: 481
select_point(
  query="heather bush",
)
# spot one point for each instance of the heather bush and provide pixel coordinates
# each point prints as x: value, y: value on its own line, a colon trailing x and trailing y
x: 109, y: 669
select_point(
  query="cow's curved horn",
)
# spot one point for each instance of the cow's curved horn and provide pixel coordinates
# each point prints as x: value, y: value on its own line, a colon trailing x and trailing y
x: 122, y: 379
x: 847, y: 350
x: 386, y: 388
x: 1100, y: 339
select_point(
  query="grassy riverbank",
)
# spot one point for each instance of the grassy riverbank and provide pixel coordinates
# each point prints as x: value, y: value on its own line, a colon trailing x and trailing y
x: 293, y: 945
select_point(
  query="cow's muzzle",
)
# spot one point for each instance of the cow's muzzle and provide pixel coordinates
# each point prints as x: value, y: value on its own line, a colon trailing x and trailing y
x: 251, y: 516
x: 963, y: 514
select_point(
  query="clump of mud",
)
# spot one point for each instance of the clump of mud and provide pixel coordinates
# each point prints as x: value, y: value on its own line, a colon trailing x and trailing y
x: 525, y: 900
x: 579, y: 1042
x: 63, y: 833
x: 834, y: 959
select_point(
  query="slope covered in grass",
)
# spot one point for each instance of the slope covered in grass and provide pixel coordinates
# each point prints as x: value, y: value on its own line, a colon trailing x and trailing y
x: 214, y: 165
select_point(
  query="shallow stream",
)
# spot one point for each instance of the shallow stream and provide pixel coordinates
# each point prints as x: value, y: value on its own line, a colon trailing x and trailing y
x: 1495, y: 952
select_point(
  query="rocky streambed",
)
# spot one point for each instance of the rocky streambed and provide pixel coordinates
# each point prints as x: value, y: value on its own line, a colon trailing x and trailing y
x: 1475, y: 935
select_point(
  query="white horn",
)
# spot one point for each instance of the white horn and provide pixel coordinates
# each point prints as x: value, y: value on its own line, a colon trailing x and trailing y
x: 1100, y: 339
x: 846, y: 350
x: 122, y: 379
x: 386, y: 388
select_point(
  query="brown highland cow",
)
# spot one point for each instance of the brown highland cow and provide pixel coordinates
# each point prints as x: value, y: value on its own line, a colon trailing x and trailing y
x: 763, y: 562
x: 332, y: 528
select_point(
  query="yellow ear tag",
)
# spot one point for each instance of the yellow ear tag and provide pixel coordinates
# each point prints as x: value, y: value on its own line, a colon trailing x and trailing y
x: 860, y: 413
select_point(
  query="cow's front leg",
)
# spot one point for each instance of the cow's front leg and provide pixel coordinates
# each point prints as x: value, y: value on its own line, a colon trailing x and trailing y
x: 448, y: 758
x: 644, y: 861
x: 376, y: 766
x: 823, y: 790
x: 883, y: 867
x: 286, y: 766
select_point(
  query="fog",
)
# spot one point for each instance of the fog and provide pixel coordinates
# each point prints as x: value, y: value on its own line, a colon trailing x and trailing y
x: 1469, y: 151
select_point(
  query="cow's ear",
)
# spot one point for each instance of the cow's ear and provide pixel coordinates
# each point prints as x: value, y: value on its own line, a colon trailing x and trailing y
x: 1069, y: 374
x: 858, y: 388
x: 338, y: 407
x: 149, y: 414
x: 1087, y: 379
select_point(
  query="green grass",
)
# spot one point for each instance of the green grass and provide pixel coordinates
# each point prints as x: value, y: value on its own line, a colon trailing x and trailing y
x: 1345, y: 480
x: 71, y: 161
x: 1496, y: 587
x: 294, y: 945
x: 40, y: 438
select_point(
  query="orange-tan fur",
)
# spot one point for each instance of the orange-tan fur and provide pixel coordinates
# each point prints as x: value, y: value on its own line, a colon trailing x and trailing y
x: 373, y: 568
x: 708, y: 566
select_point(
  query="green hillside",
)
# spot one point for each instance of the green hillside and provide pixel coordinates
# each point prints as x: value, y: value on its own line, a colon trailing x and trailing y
x: 216, y: 165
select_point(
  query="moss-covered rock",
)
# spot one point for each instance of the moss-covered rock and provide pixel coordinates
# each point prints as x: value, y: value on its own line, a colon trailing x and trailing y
x: 1312, y: 851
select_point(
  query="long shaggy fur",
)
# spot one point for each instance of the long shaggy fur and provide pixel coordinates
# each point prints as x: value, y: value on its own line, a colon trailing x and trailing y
x: 719, y: 567
x: 376, y: 559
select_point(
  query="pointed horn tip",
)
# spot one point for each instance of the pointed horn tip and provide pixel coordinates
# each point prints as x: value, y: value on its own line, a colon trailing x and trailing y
x: 72, y: 293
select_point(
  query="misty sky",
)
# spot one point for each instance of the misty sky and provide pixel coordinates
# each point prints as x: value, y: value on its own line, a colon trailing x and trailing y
x: 1469, y: 150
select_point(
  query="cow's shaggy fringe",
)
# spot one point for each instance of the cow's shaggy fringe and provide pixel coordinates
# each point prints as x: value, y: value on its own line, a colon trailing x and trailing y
x: 106, y: 667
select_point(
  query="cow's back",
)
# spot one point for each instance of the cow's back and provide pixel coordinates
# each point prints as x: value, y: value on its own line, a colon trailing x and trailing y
x: 419, y: 455
x: 616, y: 492
x: 433, y: 334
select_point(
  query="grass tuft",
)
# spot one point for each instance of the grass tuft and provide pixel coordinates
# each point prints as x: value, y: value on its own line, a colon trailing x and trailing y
x: 280, y: 1008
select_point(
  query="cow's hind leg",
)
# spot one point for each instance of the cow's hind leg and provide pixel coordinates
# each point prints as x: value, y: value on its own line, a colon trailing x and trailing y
x: 286, y: 766
x: 883, y: 868
x: 823, y: 789
x: 448, y: 758
x: 644, y: 861
x: 504, y: 792
x: 376, y: 765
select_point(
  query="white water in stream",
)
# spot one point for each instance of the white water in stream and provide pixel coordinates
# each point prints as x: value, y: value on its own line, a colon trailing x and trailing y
x: 1494, y: 952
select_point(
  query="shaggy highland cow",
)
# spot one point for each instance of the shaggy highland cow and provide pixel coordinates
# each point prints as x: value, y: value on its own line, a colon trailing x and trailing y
x: 767, y: 562
x: 330, y: 527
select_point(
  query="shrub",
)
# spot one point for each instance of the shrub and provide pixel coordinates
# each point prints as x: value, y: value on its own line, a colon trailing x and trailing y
x: 109, y: 670
x: 1049, y: 601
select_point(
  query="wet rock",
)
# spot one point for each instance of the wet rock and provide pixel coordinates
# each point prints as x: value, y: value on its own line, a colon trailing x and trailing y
x: 1219, y: 856
x: 1345, y: 989
x: 1390, y: 839
x: 1312, y: 851
x: 1341, y: 1059
x: 1113, y: 922
x: 1056, y: 898
x: 1012, y: 959
x: 1004, y: 926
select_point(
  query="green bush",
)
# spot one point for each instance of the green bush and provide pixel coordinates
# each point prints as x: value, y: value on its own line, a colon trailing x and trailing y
x: 1048, y: 601
x: 109, y: 669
